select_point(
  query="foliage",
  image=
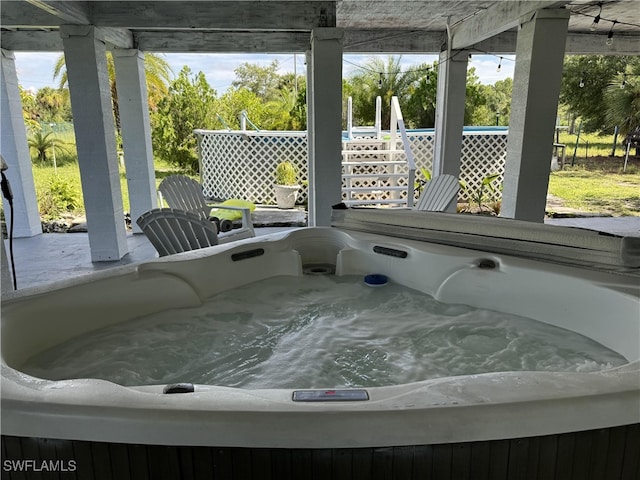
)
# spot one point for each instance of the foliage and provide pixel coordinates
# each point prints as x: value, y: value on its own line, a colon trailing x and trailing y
x: 157, y: 73
x: 622, y: 97
x: 421, y: 182
x: 29, y: 111
x: 46, y: 145
x: 190, y: 104
x: 480, y: 194
x: 264, y: 82
x: 584, y: 78
x: 286, y: 174
x: 47, y: 105
x: 58, y: 196
x: 416, y: 91
x: 420, y: 108
x: 233, y: 102
x: 384, y: 79
x: 496, y: 109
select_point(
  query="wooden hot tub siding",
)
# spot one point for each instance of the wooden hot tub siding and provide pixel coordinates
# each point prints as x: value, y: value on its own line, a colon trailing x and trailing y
x: 602, y: 454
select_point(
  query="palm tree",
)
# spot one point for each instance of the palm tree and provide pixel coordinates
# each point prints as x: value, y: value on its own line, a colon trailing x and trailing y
x: 622, y: 98
x: 157, y: 73
x: 385, y: 79
x: 44, y: 144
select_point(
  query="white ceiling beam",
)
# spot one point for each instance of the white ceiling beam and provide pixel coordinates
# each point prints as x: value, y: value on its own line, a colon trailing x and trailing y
x: 226, y: 15
x: 355, y: 41
x: 66, y: 12
x: 22, y: 14
x: 373, y: 41
x: 50, y: 40
x: 223, y: 42
x: 117, y: 37
x: 31, y: 41
x: 500, y: 17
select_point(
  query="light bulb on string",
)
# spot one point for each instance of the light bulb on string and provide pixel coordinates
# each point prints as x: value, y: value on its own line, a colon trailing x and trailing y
x: 499, y: 65
x: 610, y: 34
x: 581, y: 84
x: 624, y: 80
x: 596, y: 20
x: 380, y: 81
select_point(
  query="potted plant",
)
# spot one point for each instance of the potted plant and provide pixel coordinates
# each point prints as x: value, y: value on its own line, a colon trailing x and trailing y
x: 286, y: 187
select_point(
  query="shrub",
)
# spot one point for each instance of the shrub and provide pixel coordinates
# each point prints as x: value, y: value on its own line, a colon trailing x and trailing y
x: 58, y: 197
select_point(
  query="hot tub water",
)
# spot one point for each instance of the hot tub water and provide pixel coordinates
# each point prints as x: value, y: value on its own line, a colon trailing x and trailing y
x: 318, y: 331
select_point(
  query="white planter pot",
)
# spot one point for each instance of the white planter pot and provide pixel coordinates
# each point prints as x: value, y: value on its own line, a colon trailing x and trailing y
x: 286, y: 195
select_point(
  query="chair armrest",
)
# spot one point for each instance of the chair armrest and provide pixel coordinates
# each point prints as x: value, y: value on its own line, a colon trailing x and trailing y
x: 246, y: 217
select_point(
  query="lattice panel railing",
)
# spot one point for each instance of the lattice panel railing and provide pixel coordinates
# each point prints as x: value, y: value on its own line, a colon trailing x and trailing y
x: 482, y: 155
x: 242, y: 164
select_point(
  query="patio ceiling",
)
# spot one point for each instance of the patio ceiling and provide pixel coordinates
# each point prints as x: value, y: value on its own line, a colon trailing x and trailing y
x: 284, y: 26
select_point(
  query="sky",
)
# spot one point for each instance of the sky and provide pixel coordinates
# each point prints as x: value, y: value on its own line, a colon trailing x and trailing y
x: 35, y: 69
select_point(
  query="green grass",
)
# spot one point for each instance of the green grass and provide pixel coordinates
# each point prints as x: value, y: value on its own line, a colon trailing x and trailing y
x: 591, y: 145
x: 599, y: 185
x: 65, y: 181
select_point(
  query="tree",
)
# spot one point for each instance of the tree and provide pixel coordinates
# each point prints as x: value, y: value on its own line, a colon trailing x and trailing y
x: 190, y: 104
x: 380, y: 78
x: 29, y: 108
x: 475, y: 99
x: 497, y: 106
x: 44, y: 144
x: 157, y: 74
x: 236, y: 100
x: 584, y: 79
x: 53, y: 105
x: 420, y: 108
x: 264, y: 82
x: 622, y: 99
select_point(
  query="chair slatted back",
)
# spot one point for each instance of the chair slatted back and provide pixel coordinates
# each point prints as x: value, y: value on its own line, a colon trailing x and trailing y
x: 438, y: 193
x: 173, y: 231
x: 184, y: 193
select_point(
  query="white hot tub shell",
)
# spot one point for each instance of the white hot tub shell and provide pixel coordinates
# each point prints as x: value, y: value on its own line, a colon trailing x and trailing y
x: 601, y: 305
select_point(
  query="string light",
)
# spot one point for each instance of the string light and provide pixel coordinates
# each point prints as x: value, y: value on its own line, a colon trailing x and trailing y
x: 596, y: 19
x: 380, y: 81
x: 499, y: 65
x: 624, y: 80
x: 581, y: 84
x: 610, y: 34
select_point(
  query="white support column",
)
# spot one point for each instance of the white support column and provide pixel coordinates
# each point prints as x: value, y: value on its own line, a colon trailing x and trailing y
x: 136, y: 132
x: 449, y: 122
x: 311, y: 201
x: 15, y: 151
x: 536, y: 87
x: 324, y: 98
x: 86, y: 62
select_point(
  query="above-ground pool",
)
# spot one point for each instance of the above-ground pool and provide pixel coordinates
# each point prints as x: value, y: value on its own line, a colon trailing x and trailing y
x: 524, y: 416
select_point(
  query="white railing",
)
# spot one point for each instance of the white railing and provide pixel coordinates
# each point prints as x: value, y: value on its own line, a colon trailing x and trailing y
x: 397, y: 121
x: 377, y: 170
x: 377, y: 127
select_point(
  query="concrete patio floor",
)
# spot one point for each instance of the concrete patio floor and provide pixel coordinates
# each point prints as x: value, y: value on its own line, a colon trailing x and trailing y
x: 55, y: 256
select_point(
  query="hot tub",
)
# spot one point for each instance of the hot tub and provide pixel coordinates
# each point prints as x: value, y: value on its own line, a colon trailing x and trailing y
x: 504, y: 420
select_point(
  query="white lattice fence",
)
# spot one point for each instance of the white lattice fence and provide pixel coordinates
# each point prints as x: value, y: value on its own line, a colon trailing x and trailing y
x: 242, y: 164
x: 482, y: 155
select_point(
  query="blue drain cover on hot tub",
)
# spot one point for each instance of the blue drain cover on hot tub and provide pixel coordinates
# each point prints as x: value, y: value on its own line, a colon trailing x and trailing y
x: 375, y: 279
